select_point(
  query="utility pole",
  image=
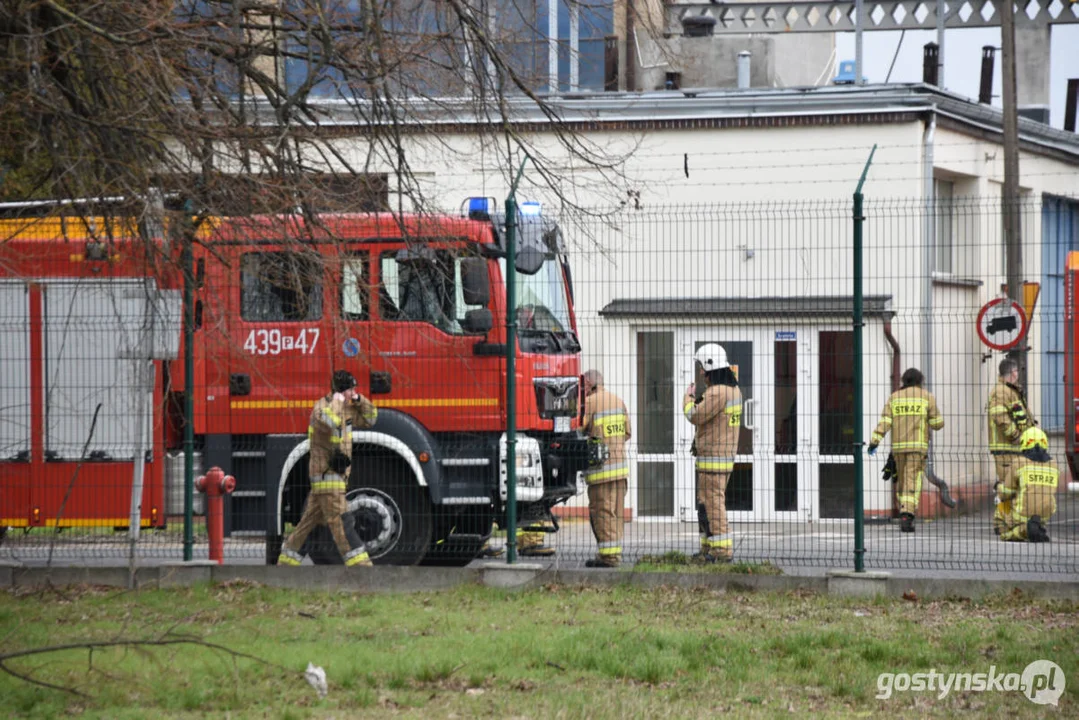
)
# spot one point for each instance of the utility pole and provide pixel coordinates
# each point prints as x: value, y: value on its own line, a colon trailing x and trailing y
x: 1013, y: 226
x: 942, y: 12
x: 859, y: 23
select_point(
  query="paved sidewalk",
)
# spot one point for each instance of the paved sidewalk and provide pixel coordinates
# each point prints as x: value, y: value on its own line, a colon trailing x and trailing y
x: 953, y: 547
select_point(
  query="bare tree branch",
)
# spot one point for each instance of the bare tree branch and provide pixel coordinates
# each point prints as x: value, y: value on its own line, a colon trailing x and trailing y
x: 121, y: 643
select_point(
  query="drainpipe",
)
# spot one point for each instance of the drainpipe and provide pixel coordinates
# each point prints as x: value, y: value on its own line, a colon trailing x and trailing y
x: 930, y: 245
x: 896, y: 371
x: 896, y: 355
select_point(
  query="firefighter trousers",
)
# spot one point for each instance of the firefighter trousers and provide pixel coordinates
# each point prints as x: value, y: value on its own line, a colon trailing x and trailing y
x: 1014, y: 528
x: 712, y: 514
x: 910, y: 470
x: 606, y: 501
x: 330, y: 509
x: 1003, y: 510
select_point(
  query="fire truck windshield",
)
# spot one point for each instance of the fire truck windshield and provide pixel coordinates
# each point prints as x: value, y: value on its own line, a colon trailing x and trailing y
x: 543, y: 320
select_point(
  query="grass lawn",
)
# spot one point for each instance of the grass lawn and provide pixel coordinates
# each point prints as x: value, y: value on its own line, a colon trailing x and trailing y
x: 551, y: 652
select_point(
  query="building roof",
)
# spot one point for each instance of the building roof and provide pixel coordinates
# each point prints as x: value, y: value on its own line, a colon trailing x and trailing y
x: 739, y: 307
x: 724, y: 107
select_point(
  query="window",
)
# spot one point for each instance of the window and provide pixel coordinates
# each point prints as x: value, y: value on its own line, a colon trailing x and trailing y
x: 354, y: 287
x: 945, y: 222
x: 419, y: 284
x: 280, y: 287
x: 836, y: 393
x: 655, y: 392
x: 305, y: 24
x: 1060, y: 233
x: 595, y: 22
x: 213, y: 25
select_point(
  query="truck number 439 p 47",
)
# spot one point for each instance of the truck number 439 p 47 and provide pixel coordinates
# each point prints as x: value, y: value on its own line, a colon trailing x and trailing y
x: 275, y: 342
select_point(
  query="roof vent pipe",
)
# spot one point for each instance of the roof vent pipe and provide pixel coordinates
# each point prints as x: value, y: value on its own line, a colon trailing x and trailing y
x: 985, y: 86
x: 743, y: 70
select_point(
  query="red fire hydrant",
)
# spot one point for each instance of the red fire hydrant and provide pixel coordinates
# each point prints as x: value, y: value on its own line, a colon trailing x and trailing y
x: 216, y: 484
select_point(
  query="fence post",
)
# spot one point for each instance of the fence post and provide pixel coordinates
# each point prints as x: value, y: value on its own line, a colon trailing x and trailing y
x: 187, y: 263
x: 511, y: 368
x: 856, y: 450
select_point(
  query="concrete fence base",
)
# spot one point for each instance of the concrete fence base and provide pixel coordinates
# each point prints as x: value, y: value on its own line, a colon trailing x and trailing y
x: 390, y: 579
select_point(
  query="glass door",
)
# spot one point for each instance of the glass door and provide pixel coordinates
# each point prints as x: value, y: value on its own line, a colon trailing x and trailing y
x: 751, y: 487
x: 655, y: 403
x: 831, y: 427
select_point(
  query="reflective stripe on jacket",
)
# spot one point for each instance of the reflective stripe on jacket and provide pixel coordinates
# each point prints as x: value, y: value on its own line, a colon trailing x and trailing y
x: 330, y: 430
x: 909, y: 414
x: 718, y: 417
x: 607, y: 420
x: 1005, y: 403
x: 1032, y: 487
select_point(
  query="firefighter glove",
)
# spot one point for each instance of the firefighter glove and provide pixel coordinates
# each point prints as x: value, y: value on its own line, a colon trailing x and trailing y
x: 872, y: 450
x: 891, y: 469
x: 340, y: 462
x: 1019, y: 414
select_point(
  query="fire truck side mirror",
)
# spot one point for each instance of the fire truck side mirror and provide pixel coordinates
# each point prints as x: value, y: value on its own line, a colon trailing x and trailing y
x: 475, y: 284
x: 478, y: 321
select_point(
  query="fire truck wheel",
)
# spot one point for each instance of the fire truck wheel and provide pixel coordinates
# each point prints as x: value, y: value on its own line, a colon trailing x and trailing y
x: 393, y: 519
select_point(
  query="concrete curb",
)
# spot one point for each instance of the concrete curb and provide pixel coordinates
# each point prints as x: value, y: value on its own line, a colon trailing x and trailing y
x: 390, y: 579
x: 847, y: 583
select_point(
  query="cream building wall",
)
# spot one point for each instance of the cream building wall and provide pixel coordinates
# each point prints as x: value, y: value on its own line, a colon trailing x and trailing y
x: 783, y: 193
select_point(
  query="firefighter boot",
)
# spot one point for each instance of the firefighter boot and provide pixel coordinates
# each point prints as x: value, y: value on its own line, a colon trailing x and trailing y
x: 530, y: 544
x: 487, y: 551
x: 906, y: 522
x: 597, y: 563
x: 1036, y: 532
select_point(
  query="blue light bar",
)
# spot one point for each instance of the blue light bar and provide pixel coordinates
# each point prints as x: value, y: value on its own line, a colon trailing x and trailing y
x: 479, y: 205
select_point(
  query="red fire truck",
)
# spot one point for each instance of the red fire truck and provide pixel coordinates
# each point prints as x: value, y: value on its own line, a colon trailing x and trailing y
x: 71, y: 315
x: 414, y: 307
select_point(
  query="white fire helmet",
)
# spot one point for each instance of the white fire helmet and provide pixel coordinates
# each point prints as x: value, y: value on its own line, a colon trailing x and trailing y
x: 712, y: 357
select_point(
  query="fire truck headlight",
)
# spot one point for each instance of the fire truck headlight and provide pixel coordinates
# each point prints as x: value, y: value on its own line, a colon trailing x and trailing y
x: 529, y: 464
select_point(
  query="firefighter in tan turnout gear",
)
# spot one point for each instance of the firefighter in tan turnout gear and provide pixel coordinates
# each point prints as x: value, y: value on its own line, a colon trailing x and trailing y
x: 330, y: 436
x: 910, y: 413
x: 606, y: 422
x: 1030, y: 490
x: 1008, y: 419
x: 717, y: 415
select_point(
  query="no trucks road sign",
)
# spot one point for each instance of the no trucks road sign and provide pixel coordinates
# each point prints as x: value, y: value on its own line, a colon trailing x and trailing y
x: 1002, y: 323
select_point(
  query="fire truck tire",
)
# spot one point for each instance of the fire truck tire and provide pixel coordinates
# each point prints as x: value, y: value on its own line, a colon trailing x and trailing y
x: 392, y: 515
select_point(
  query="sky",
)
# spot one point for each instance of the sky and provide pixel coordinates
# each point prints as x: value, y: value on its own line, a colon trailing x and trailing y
x: 962, y: 60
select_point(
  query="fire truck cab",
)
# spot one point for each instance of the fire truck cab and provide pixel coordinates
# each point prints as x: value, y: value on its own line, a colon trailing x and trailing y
x: 415, y: 308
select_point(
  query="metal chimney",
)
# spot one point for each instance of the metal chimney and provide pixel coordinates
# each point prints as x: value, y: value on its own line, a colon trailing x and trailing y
x: 985, y: 88
x: 743, y: 70
x: 930, y: 68
x: 1071, y: 104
